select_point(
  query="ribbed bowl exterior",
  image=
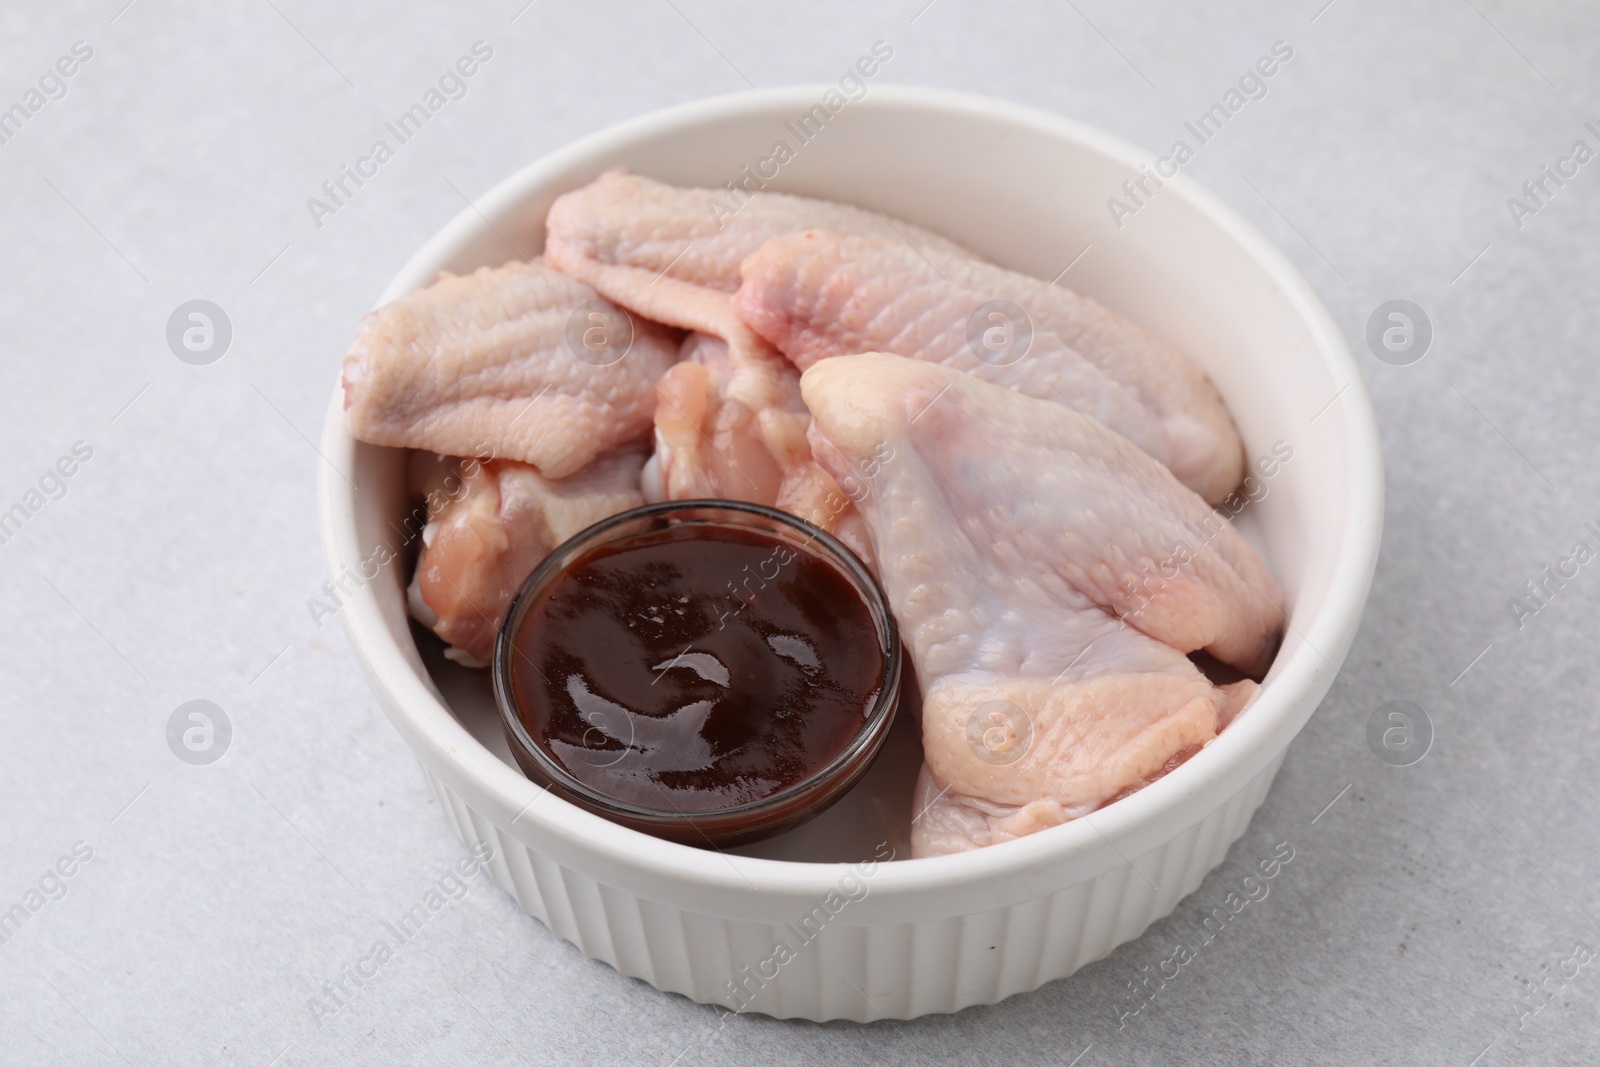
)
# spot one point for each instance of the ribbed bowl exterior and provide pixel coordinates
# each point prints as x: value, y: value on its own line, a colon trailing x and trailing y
x: 861, y: 973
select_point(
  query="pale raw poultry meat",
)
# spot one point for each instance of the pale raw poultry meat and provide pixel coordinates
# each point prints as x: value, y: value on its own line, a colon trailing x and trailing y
x: 1048, y: 578
x: 695, y: 417
x: 663, y: 251
x: 497, y: 522
x: 731, y: 422
x: 484, y: 364
x: 820, y: 294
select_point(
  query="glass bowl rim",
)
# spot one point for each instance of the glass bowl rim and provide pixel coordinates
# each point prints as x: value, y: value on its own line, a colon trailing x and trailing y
x: 874, y: 728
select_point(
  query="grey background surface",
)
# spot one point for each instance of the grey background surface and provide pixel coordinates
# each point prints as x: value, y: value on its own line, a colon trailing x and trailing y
x: 1421, y: 901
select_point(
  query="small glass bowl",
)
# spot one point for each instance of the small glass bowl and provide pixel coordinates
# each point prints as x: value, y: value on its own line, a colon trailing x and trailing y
x: 742, y: 823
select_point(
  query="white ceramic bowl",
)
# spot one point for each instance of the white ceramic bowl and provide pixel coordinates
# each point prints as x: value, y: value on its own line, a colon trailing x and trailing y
x: 907, y: 938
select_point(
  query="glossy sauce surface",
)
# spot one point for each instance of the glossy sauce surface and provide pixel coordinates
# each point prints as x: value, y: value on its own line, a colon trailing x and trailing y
x: 696, y: 667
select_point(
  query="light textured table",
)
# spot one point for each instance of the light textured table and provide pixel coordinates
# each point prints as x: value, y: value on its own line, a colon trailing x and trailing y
x: 177, y: 566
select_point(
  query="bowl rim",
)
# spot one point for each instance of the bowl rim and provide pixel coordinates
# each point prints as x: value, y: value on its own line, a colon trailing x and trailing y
x: 1133, y: 825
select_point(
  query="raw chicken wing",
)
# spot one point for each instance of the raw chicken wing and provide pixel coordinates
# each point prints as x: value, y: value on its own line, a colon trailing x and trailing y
x: 818, y: 294
x: 1048, y: 578
x: 484, y: 364
x: 673, y: 254
x: 497, y: 522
